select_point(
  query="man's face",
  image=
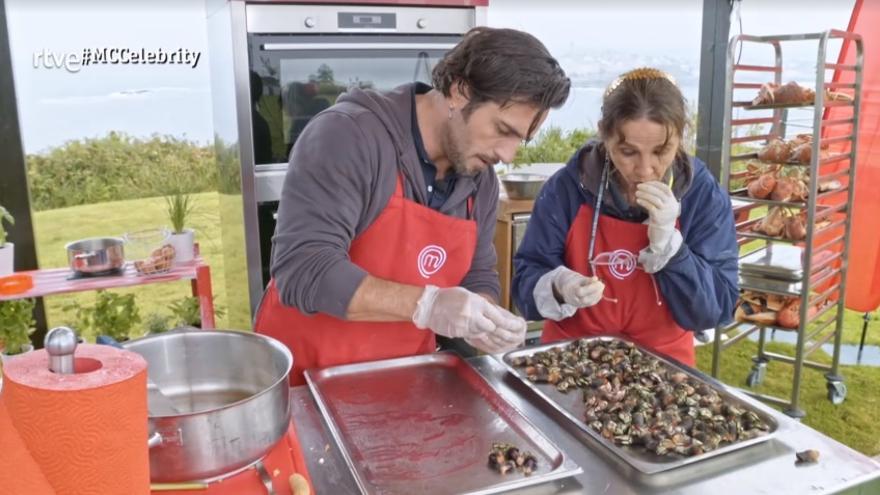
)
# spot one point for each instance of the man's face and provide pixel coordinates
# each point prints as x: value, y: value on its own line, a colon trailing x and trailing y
x: 488, y: 135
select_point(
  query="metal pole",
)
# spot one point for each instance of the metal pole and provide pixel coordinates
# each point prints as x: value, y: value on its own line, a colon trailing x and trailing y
x: 710, y: 108
x: 14, y: 187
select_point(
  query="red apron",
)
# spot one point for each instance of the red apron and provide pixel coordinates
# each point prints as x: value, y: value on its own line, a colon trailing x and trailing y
x: 640, y: 313
x: 408, y: 243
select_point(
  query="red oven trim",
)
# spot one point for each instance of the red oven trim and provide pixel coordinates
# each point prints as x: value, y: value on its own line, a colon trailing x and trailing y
x: 418, y: 3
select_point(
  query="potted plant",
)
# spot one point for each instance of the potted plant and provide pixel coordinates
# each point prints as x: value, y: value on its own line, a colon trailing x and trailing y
x: 114, y: 315
x: 16, y: 326
x: 179, y: 207
x: 7, y: 249
x: 157, y: 323
x: 187, y: 312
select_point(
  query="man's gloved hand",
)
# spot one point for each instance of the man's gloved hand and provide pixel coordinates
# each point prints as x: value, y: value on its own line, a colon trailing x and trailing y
x: 459, y: 313
x: 575, y: 289
x: 663, y: 210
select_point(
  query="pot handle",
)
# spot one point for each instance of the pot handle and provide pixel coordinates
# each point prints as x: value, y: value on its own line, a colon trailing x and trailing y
x: 155, y: 440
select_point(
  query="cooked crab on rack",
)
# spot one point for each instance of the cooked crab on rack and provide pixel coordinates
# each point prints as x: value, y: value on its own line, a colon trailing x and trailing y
x: 793, y: 93
x: 770, y: 309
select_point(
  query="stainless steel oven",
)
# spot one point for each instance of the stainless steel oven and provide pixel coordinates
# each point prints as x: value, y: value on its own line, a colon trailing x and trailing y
x: 292, y: 61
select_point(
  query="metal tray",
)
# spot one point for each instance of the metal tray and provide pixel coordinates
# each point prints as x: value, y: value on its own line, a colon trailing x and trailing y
x: 571, y: 406
x: 425, y: 424
x: 781, y: 262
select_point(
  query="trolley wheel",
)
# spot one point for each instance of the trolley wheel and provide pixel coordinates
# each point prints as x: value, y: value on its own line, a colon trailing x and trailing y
x: 836, y: 392
x: 756, y: 376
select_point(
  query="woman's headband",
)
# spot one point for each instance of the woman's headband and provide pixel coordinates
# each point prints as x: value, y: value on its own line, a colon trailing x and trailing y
x: 638, y: 74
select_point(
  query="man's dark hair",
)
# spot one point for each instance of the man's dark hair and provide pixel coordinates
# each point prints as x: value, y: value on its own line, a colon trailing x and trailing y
x: 503, y: 66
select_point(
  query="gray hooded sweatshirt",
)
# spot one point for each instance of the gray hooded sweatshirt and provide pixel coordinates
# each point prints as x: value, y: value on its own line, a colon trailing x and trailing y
x: 343, y: 171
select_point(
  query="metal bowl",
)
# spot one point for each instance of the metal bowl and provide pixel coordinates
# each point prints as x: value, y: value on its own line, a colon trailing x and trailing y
x: 523, y: 186
x: 231, y: 390
x: 96, y: 255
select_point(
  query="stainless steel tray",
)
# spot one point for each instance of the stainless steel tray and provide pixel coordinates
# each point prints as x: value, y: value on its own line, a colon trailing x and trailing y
x: 571, y: 406
x: 781, y: 262
x: 425, y: 424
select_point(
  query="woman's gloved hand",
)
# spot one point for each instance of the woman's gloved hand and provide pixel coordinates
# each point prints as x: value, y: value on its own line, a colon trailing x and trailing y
x: 574, y: 291
x: 663, y: 210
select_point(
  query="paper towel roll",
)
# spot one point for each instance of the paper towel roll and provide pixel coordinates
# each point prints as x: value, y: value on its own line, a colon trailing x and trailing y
x: 19, y: 473
x: 87, y: 430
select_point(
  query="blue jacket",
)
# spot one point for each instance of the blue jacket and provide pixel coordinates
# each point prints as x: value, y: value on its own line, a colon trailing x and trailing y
x: 699, y: 283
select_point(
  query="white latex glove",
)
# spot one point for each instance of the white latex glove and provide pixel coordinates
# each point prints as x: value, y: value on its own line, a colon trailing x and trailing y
x: 459, y: 313
x: 664, y: 239
x: 577, y: 291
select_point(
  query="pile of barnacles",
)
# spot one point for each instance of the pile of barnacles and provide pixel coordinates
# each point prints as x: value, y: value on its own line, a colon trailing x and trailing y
x: 632, y: 399
x: 507, y: 458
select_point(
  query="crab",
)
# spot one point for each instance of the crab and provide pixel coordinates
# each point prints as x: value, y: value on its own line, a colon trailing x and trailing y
x: 784, y: 184
x: 790, y: 93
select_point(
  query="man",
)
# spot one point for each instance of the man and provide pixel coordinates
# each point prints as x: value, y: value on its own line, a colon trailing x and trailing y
x: 387, y: 217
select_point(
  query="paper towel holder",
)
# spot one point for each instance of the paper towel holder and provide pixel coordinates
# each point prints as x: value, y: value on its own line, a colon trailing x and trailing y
x: 60, y: 343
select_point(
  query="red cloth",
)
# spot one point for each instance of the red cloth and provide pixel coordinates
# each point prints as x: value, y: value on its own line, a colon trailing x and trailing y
x: 640, y: 313
x: 408, y: 243
x: 863, y: 275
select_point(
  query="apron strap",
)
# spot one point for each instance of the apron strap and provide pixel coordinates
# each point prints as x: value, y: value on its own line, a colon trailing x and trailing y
x: 594, y: 224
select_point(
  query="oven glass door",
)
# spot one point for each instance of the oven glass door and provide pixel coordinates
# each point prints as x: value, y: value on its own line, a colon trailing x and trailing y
x: 293, y: 78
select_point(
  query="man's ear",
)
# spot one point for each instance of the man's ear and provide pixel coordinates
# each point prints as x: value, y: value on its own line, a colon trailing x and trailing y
x: 459, y: 94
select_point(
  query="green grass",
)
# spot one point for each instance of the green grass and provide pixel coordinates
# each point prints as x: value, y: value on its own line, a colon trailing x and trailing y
x: 55, y: 228
x: 855, y: 423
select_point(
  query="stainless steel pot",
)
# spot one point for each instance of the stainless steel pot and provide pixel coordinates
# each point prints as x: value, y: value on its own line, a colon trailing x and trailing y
x: 96, y: 255
x: 523, y: 186
x: 231, y: 389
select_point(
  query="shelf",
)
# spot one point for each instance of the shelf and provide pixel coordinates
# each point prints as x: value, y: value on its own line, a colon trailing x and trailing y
x: 747, y: 105
x: 742, y: 195
x: 810, y: 321
x: 786, y: 288
x: 817, y: 282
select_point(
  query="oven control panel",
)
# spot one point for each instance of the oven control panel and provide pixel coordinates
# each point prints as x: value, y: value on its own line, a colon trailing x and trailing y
x: 326, y: 19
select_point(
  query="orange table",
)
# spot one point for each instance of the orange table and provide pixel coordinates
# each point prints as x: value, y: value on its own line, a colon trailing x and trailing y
x: 53, y: 281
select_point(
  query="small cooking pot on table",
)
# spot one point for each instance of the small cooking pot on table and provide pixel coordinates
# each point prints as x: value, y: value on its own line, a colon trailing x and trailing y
x: 231, y: 391
x: 96, y: 255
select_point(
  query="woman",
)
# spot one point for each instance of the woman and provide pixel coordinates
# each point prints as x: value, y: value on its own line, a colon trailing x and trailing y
x: 633, y: 237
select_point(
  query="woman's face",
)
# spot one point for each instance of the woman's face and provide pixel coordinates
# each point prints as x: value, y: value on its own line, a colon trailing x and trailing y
x: 642, y: 152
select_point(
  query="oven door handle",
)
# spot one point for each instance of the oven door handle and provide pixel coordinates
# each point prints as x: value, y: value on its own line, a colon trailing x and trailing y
x: 271, y: 47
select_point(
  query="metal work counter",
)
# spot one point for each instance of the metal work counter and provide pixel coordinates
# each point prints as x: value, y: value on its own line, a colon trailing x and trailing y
x: 764, y: 468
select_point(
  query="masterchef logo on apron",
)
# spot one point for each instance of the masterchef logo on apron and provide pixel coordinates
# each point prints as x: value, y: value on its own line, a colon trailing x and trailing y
x: 621, y: 263
x: 431, y: 260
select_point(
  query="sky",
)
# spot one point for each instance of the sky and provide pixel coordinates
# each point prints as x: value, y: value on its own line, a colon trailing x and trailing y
x: 594, y: 40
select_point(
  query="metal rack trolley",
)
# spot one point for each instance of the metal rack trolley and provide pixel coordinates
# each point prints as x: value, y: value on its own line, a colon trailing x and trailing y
x: 828, y: 274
